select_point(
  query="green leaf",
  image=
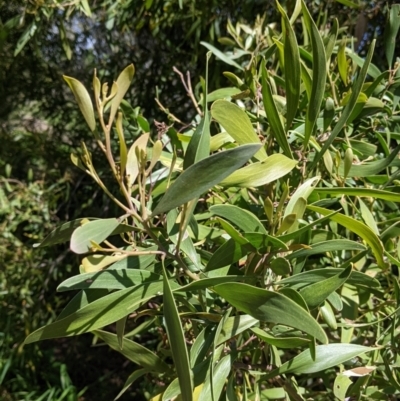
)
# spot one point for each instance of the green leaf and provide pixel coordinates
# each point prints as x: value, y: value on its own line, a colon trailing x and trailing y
x: 217, y: 53
x: 341, y: 385
x: 228, y: 253
x: 315, y: 294
x: 237, y: 124
x: 134, y: 352
x: 123, y: 82
x: 222, y: 93
x: 260, y: 173
x: 137, y: 374
x: 177, y: 342
x: 302, y: 279
x: 203, y: 175
x: 280, y: 342
x: 327, y: 246
x: 358, y: 228
x: 261, y: 241
x: 391, y: 30
x: 60, y: 234
x: 235, y: 325
x: 109, y: 279
x: 292, y: 68
x: 210, y: 282
x: 371, y: 168
x: 83, y: 99
x: 356, y: 90
x: 199, y: 145
x: 361, y: 192
x: 242, y: 218
x: 272, y: 113
x: 98, y: 313
x: 25, y: 37
x: 326, y: 356
x: 219, y: 375
x: 96, y: 231
x: 268, y: 306
x: 318, y: 75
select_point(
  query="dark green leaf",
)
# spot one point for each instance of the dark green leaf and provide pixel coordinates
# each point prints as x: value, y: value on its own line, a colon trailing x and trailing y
x: 177, y: 342
x: 268, y: 306
x: 134, y: 352
x: 203, y: 175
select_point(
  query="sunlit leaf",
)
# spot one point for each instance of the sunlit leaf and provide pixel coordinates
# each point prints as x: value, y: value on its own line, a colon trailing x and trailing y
x: 358, y: 228
x: 268, y: 306
x: 203, y: 175
x: 237, y: 124
x: 83, y: 99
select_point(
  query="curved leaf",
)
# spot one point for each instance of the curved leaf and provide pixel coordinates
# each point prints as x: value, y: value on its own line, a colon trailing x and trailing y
x: 96, y: 231
x: 237, y: 124
x: 358, y: 228
x: 242, y: 218
x: 123, y: 82
x: 134, y: 352
x: 260, y: 173
x: 98, y: 313
x: 83, y: 99
x: 326, y: 356
x: 268, y: 306
x: 203, y: 175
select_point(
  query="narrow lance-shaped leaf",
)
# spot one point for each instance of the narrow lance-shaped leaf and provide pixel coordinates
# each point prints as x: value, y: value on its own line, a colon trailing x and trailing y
x: 358, y: 228
x: 177, y: 342
x: 83, y: 99
x: 260, y: 173
x: 319, y: 75
x: 203, y: 175
x: 268, y: 306
x: 199, y: 145
x: 237, y: 124
x: 326, y: 356
x: 356, y: 90
x: 217, y: 53
x: 272, y: 113
x: 292, y: 68
x: 134, y: 352
x: 123, y: 82
x: 367, y: 192
x: 99, y: 313
x: 391, y: 30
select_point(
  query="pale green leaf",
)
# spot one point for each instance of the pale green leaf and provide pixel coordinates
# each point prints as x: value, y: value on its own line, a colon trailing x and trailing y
x: 237, y: 124
x: 260, y: 173
x: 96, y: 231
x: 358, y: 228
x: 123, y: 82
x: 217, y: 53
x: 83, y: 99
x: 326, y: 356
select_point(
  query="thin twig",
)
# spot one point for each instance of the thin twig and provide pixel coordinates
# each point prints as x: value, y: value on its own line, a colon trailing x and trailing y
x: 188, y: 87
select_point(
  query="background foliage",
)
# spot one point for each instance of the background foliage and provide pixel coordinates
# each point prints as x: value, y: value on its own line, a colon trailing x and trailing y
x: 40, y: 124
